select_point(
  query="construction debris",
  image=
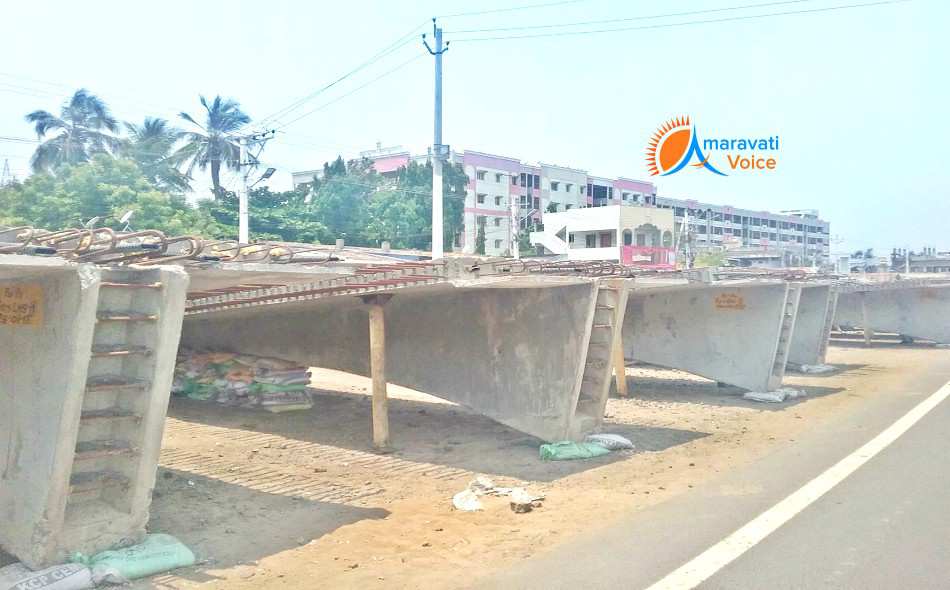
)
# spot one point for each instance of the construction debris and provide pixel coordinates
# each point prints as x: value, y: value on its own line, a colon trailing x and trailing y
x: 242, y: 380
x: 468, y: 499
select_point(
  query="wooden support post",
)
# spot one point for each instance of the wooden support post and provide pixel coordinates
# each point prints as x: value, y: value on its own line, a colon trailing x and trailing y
x: 620, y: 368
x: 377, y: 360
x: 866, y: 324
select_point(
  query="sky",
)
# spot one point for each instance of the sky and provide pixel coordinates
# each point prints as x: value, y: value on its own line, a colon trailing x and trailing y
x: 857, y: 96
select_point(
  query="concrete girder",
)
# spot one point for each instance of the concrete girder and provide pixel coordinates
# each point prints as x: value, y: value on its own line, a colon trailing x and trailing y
x: 518, y: 351
x: 83, y: 395
x: 735, y: 333
x: 816, y: 309
x: 917, y: 311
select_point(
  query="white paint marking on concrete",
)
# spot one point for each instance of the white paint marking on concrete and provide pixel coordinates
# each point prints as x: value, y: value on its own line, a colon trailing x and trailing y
x: 705, y: 565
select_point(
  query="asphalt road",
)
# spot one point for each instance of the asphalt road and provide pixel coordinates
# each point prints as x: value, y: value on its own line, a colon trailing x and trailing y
x: 887, y: 525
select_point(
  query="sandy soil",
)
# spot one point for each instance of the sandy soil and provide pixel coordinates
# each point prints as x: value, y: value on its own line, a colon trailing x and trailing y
x: 300, y: 500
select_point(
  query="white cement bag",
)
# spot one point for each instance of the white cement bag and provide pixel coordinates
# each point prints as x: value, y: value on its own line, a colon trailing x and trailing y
x: 69, y: 576
x: 614, y: 442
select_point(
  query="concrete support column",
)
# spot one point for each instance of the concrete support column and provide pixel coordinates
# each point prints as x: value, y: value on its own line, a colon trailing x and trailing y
x: 619, y: 366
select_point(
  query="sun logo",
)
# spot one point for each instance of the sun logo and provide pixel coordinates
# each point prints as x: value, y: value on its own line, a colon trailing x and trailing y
x: 672, y: 147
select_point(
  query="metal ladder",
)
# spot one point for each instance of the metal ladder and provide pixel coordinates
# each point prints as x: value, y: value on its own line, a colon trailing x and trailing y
x: 606, y: 322
x: 789, y: 313
x: 121, y: 368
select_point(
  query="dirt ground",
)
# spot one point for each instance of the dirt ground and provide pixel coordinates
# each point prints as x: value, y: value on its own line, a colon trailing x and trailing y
x: 300, y: 500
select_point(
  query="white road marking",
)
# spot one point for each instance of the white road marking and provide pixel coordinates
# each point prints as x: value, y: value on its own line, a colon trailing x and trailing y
x: 706, y: 564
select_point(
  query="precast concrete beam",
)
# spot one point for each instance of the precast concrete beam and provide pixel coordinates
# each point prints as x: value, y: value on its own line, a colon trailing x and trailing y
x: 735, y: 333
x: 514, y: 351
x: 918, y: 311
x: 84, y: 385
x: 812, y: 324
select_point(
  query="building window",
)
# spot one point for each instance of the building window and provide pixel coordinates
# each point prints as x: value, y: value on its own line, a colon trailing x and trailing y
x: 717, y: 231
x: 678, y: 211
x: 568, y: 187
x: 537, y: 181
x: 537, y: 202
x: 497, y: 244
x: 480, y: 198
x: 624, y: 196
x: 498, y: 201
x: 498, y: 177
x: 480, y: 220
x: 570, y: 238
x: 590, y: 189
x: 627, y: 237
x: 524, y: 179
x: 590, y: 240
x: 480, y: 175
x: 514, y: 180
x: 554, y: 185
x: 610, y: 192
x: 606, y: 239
x: 498, y: 222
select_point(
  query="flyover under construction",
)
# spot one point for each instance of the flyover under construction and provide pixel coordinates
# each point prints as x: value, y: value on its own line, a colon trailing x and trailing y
x: 529, y: 344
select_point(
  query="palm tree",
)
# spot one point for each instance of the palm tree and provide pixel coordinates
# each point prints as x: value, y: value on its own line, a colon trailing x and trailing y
x: 82, y: 129
x: 214, y: 144
x: 151, y: 145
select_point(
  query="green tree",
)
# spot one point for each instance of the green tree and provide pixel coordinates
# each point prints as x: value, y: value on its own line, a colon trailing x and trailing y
x: 152, y: 146
x: 84, y: 128
x: 525, y: 247
x: 213, y: 144
x: 104, y: 187
x: 283, y: 216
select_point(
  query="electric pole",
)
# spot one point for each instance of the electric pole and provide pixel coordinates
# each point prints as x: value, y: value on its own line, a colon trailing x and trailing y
x: 515, y: 227
x: 248, y: 161
x: 439, y: 151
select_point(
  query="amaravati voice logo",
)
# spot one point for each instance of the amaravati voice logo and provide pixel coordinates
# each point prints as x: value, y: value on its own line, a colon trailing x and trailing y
x: 676, y: 144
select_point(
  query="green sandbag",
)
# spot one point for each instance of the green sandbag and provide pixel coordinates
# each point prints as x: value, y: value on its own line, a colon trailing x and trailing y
x: 156, y: 554
x: 567, y: 450
x: 274, y: 388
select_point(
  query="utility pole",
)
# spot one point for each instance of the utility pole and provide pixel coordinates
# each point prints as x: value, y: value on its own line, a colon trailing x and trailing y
x: 5, y: 176
x: 247, y: 161
x: 439, y: 151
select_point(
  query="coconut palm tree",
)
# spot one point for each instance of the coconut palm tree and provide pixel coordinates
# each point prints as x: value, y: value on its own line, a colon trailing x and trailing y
x: 214, y: 143
x: 151, y: 145
x: 83, y: 128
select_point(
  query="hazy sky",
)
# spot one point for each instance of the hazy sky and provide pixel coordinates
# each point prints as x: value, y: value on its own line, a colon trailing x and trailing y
x: 857, y: 96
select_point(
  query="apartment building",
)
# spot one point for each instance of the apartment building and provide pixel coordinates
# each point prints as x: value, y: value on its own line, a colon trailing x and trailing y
x: 800, y: 233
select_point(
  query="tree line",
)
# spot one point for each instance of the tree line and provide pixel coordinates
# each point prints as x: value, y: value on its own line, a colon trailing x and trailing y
x: 90, y: 165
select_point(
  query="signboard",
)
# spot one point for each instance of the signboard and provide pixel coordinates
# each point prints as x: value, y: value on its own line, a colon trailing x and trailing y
x: 730, y: 301
x: 21, y: 304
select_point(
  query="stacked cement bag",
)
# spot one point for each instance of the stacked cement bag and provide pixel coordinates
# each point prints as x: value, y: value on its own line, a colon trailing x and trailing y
x: 242, y: 380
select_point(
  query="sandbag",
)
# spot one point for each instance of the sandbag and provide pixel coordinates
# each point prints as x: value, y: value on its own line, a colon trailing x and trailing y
x: 613, y: 442
x: 69, y: 576
x: 567, y: 450
x: 156, y: 554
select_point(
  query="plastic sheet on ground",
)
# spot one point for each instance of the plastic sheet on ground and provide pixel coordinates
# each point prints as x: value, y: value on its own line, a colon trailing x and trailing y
x: 156, y: 554
x: 568, y: 450
x: 468, y: 499
x: 780, y: 395
x: 69, y: 576
x: 243, y: 380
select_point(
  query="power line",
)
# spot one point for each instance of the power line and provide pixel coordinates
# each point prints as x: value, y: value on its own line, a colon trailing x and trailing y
x: 384, y: 52
x: 357, y: 89
x: 511, y: 8
x: 682, y: 24
x: 632, y: 18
